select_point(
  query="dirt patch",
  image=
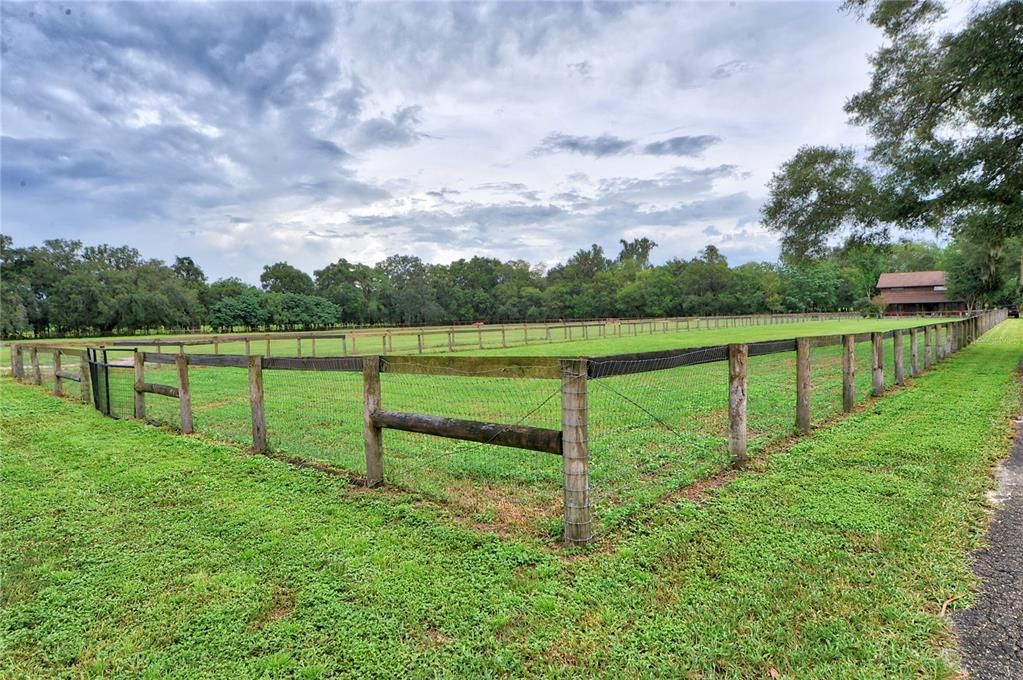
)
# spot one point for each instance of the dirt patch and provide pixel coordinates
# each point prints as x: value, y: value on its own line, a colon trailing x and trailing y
x: 216, y: 403
x: 282, y: 604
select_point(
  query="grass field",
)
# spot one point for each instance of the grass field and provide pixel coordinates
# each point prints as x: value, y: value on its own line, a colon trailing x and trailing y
x: 651, y: 434
x: 130, y: 551
x: 560, y: 343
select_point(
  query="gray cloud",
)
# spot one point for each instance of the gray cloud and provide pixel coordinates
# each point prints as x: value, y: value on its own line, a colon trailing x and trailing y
x: 599, y: 147
x: 399, y: 129
x: 681, y: 146
x: 728, y: 69
x: 610, y: 145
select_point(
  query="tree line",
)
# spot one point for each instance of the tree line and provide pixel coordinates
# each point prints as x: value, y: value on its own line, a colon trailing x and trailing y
x: 63, y: 287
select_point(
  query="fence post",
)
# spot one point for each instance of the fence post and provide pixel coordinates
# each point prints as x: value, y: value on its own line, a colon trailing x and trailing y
x: 928, y: 341
x: 914, y: 352
x: 313, y: 343
x: 58, y: 382
x: 14, y: 362
x: 248, y: 347
x: 900, y: 364
x: 737, y: 356
x: 298, y: 344
x: 848, y: 373
x: 85, y: 374
x: 372, y: 437
x: 803, y: 384
x: 344, y: 345
x: 184, y: 394
x: 37, y: 377
x: 216, y: 345
x: 939, y: 343
x: 877, y: 354
x: 256, y: 401
x: 948, y: 340
x: 578, y: 512
x: 140, y: 377
x: 419, y: 342
x: 21, y: 363
x: 268, y: 345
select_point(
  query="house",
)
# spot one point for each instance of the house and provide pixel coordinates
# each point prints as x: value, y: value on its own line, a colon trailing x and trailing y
x: 917, y: 293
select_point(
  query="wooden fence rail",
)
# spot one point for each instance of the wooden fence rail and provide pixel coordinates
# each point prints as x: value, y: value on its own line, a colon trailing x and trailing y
x: 940, y: 341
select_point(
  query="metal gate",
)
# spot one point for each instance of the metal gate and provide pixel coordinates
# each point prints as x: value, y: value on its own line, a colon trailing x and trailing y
x: 100, y: 379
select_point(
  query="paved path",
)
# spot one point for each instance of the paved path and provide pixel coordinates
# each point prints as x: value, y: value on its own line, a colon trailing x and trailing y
x: 991, y: 631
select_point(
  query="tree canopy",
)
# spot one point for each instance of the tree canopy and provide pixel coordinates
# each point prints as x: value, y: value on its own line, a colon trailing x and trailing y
x: 944, y: 111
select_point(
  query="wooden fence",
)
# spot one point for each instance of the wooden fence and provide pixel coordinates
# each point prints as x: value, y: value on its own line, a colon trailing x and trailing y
x: 357, y: 342
x: 929, y: 344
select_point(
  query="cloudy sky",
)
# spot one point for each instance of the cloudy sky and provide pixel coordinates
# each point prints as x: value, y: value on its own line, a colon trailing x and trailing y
x: 243, y: 134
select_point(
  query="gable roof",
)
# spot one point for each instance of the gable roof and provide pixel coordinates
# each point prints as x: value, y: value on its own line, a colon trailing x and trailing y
x: 911, y: 279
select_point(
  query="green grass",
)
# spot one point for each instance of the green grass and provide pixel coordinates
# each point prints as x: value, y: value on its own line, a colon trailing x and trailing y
x: 651, y: 434
x: 129, y: 551
x: 562, y: 342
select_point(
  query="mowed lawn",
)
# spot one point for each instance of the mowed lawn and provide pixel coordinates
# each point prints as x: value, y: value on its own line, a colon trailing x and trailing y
x: 131, y: 551
x: 528, y: 340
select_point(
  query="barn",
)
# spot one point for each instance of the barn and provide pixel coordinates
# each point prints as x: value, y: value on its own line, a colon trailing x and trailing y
x: 917, y: 293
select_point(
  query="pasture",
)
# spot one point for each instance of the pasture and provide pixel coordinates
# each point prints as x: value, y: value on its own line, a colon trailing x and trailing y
x: 133, y: 551
x: 651, y: 435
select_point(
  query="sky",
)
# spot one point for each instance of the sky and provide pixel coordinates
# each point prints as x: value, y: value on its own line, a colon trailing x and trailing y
x: 246, y: 134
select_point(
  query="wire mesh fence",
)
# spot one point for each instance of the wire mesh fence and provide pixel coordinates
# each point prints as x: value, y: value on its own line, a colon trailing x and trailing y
x: 161, y: 409
x: 657, y: 421
x: 220, y: 403
x: 656, y: 425
x: 316, y: 415
x: 447, y: 468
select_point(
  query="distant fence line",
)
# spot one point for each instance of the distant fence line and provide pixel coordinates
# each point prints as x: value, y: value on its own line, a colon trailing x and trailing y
x: 456, y: 338
x: 929, y: 343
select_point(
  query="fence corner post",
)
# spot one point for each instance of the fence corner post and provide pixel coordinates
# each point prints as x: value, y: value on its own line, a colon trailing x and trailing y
x: 140, y: 378
x: 738, y: 355
x: 256, y: 401
x: 900, y: 364
x: 803, y: 384
x: 372, y: 436
x: 877, y: 361
x: 184, y: 394
x: 575, y: 453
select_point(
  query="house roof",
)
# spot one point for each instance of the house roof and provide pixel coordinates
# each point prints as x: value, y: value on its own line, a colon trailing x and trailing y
x: 911, y: 279
x: 918, y: 295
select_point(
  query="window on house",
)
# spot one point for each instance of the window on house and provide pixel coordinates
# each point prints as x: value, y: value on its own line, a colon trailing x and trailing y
x: 939, y: 288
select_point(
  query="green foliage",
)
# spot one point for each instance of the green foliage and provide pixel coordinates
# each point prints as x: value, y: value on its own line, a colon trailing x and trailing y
x: 284, y: 278
x: 945, y: 116
x: 252, y: 309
